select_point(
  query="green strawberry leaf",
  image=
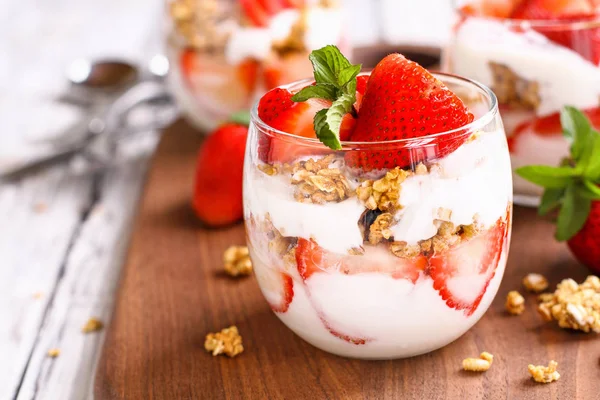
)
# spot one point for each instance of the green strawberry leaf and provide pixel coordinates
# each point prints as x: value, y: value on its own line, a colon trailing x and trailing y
x: 592, y: 164
x: 551, y: 200
x: 328, y: 121
x: 576, y: 128
x: 548, y: 177
x: 327, y: 63
x: 573, y: 213
x: 240, y: 117
x: 589, y: 190
x: 319, y: 91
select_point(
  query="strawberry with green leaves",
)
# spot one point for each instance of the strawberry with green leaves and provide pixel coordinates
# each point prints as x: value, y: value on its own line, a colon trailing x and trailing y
x: 573, y: 188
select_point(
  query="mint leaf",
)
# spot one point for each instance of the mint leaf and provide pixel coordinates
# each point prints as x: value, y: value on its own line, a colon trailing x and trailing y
x: 548, y: 177
x: 592, y: 162
x: 348, y: 74
x: 573, y: 213
x: 240, y: 117
x: 328, y: 121
x: 550, y: 200
x: 589, y: 190
x: 327, y: 63
x: 319, y: 91
x: 576, y: 128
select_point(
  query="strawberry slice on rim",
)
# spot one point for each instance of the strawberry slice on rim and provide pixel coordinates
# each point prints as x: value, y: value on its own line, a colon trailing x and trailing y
x: 472, y: 263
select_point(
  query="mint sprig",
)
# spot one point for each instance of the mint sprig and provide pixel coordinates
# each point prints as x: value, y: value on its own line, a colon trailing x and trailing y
x: 571, y: 187
x: 335, y: 80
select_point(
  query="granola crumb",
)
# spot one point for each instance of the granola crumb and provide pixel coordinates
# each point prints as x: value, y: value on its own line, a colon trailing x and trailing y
x: 379, y: 230
x: 236, y: 261
x: 384, y: 193
x: 515, y: 303
x: 318, y: 183
x: 53, y: 353
x: 294, y: 42
x: 92, y: 325
x: 573, y: 306
x: 268, y: 169
x: 535, y: 283
x: 228, y: 342
x: 543, y: 374
x: 481, y: 364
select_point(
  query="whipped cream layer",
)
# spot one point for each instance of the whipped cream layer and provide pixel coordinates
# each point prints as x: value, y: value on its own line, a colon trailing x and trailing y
x: 564, y: 76
x: 396, y: 317
x: 473, y: 182
x: 323, y: 27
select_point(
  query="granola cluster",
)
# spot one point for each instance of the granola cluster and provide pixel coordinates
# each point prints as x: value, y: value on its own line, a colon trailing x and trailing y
x: 316, y: 182
x: 236, y: 261
x: 92, y: 325
x: 573, y: 306
x: 542, y: 374
x: 199, y: 22
x: 228, y: 342
x: 379, y: 230
x: 294, y: 42
x: 384, y: 193
x: 513, y: 90
x: 535, y: 283
x: 515, y: 303
x: 481, y: 364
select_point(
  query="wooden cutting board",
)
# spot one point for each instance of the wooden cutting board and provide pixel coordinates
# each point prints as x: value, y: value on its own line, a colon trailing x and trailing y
x: 173, y: 292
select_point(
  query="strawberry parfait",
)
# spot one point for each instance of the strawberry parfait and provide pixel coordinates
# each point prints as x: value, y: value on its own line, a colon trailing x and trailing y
x: 225, y: 54
x: 377, y: 205
x: 537, y: 56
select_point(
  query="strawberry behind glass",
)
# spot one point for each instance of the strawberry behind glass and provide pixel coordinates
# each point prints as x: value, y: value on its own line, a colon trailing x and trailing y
x: 378, y: 249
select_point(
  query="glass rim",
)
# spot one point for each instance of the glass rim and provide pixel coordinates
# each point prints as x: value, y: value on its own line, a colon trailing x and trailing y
x: 550, y: 25
x: 477, y: 124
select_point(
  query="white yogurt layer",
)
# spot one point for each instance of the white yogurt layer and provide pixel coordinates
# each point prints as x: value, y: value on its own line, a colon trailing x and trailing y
x: 398, y: 318
x: 472, y: 182
x: 563, y: 75
x: 323, y: 27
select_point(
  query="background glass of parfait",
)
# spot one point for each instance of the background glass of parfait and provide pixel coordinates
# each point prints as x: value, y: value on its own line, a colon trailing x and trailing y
x: 535, y: 67
x: 432, y: 265
x: 225, y: 54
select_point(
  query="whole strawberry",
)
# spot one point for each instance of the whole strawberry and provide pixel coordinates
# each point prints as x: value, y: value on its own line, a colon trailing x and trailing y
x: 573, y: 189
x: 218, y: 183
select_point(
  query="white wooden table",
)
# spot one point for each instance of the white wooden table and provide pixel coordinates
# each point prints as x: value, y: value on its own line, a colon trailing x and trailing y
x: 63, y: 236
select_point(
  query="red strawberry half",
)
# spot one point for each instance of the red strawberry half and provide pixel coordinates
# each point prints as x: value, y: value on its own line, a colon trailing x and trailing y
x: 277, y: 287
x: 404, y: 101
x: 585, y: 245
x: 474, y: 261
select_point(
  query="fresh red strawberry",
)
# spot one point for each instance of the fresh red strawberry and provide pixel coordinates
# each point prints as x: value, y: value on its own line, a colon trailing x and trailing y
x: 277, y: 110
x: 277, y: 287
x: 585, y: 245
x: 218, y: 184
x: 260, y: 12
x: 475, y: 260
x: 361, y: 88
x: 311, y: 259
x: 552, y: 9
x: 491, y: 8
x: 404, y: 101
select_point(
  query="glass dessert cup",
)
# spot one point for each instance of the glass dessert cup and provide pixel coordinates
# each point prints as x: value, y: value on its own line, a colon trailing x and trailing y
x: 224, y: 54
x: 385, y: 264
x: 535, y: 67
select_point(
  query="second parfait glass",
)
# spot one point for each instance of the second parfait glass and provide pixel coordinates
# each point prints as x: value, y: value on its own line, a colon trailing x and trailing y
x: 535, y: 67
x: 385, y: 263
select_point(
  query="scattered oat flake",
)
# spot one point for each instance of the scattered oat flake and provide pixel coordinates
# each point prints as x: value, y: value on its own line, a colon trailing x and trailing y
x: 515, y: 303
x: 228, y: 342
x: 236, y: 261
x: 53, y: 353
x: 535, y: 283
x: 543, y: 374
x: 481, y: 364
x: 572, y: 305
x: 92, y: 325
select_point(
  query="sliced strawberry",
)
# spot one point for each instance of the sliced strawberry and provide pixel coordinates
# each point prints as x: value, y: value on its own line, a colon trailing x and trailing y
x: 491, y: 8
x: 347, y: 127
x: 256, y: 12
x: 277, y: 287
x: 361, y: 88
x: 311, y: 259
x: 277, y: 110
x: 272, y: 7
x: 552, y: 9
x: 217, y: 86
x: 348, y: 338
x: 462, y: 274
x: 403, y: 101
x: 293, y: 3
x: 281, y: 70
